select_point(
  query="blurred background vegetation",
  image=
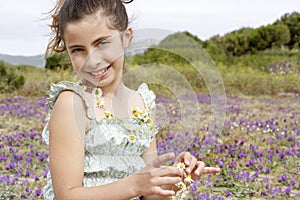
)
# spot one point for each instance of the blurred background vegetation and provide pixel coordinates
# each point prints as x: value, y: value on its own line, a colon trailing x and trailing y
x: 251, y: 61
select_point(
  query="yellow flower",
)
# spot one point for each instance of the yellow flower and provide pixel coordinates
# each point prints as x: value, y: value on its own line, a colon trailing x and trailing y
x: 108, y: 115
x: 132, y: 138
x: 136, y: 114
x: 149, y: 121
x: 100, y: 103
x: 143, y: 111
x: 142, y: 115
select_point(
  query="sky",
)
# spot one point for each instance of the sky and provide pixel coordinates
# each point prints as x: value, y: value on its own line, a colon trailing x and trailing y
x: 24, y: 30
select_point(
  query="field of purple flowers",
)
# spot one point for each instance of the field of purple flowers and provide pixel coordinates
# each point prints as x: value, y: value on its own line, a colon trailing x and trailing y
x: 258, y: 151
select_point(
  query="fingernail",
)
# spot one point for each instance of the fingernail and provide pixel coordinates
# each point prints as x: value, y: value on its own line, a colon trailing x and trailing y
x: 188, y: 170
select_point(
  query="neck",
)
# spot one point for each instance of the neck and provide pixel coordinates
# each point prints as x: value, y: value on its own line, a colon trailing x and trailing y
x: 114, y: 89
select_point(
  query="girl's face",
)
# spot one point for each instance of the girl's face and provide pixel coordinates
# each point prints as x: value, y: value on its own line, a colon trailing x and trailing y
x: 96, y: 51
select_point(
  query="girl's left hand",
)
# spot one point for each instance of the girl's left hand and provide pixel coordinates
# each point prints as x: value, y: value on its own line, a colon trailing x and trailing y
x: 194, y: 167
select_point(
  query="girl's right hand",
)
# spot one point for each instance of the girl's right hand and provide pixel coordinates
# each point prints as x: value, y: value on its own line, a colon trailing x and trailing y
x: 150, y: 179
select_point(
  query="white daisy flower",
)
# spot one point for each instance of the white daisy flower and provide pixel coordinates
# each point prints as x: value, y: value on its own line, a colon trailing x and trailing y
x: 181, y: 166
x: 132, y: 138
x: 188, y: 179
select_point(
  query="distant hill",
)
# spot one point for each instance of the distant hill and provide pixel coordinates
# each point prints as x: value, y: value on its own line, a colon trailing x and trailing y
x: 36, y: 61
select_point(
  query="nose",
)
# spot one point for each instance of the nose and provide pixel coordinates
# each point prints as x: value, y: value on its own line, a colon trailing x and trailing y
x: 93, y: 60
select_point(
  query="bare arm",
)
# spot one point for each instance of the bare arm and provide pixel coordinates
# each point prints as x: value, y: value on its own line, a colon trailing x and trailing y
x: 149, y: 156
x: 67, y: 160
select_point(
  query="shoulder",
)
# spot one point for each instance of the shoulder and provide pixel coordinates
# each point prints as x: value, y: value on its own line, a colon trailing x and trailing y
x: 68, y: 101
x: 68, y: 114
x: 143, y: 97
x: 136, y: 99
x: 66, y: 98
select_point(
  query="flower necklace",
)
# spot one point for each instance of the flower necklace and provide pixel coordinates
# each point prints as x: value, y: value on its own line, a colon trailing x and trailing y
x: 98, y: 95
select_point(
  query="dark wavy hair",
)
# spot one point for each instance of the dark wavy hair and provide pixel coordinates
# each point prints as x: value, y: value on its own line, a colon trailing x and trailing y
x: 66, y: 11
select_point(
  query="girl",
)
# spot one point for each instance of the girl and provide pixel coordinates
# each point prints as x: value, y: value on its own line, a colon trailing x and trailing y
x: 100, y: 133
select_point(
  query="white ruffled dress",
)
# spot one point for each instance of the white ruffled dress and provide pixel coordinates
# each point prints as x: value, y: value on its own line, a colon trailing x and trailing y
x: 113, y: 146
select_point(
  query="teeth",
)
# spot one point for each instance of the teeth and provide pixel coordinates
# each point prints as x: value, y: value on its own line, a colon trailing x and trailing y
x: 99, y: 73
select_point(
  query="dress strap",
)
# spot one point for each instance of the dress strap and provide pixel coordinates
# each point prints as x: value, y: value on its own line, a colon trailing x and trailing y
x: 56, y: 89
x: 147, y: 95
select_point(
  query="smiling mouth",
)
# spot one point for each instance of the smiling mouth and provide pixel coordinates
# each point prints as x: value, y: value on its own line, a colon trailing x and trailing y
x: 101, y: 73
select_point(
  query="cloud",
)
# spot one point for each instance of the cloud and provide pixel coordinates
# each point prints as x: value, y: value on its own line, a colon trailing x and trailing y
x: 23, y: 30
x: 22, y: 25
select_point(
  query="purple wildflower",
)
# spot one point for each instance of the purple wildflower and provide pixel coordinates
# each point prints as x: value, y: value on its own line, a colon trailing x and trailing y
x: 38, y: 192
x: 263, y: 193
x: 288, y: 190
x: 27, y: 173
x: 228, y: 193
x: 209, y: 184
x: 232, y: 164
x: 293, y: 182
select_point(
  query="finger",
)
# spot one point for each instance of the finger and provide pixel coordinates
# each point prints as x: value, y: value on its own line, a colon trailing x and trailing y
x: 193, y: 163
x: 160, y: 181
x: 162, y: 192
x: 162, y: 159
x: 200, y: 168
x: 187, y: 158
x: 166, y: 171
x: 180, y: 157
x: 210, y: 170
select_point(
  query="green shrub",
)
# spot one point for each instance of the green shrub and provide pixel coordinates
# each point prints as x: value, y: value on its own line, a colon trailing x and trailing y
x: 58, y: 61
x: 241, y: 80
x: 10, y: 78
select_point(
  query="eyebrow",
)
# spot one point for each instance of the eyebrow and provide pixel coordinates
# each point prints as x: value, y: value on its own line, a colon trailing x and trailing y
x: 94, y: 43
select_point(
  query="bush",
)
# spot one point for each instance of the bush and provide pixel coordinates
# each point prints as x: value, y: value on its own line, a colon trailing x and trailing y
x: 58, y: 61
x: 240, y: 80
x: 10, y: 78
x: 293, y: 22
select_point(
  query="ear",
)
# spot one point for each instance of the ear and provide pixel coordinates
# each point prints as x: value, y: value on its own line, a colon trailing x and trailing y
x: 127, y: 36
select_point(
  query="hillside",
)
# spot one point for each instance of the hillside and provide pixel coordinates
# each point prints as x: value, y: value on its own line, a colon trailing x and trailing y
x: 36, y: 61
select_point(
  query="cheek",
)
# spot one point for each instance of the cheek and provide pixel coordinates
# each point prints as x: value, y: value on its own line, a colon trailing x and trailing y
x: 77, y: 63
x: 114, y: 53
x: 113, y: 57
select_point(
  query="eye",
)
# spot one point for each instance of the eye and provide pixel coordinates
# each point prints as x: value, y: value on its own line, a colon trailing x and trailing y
x: 76, y: 50
x: 103, y: 43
